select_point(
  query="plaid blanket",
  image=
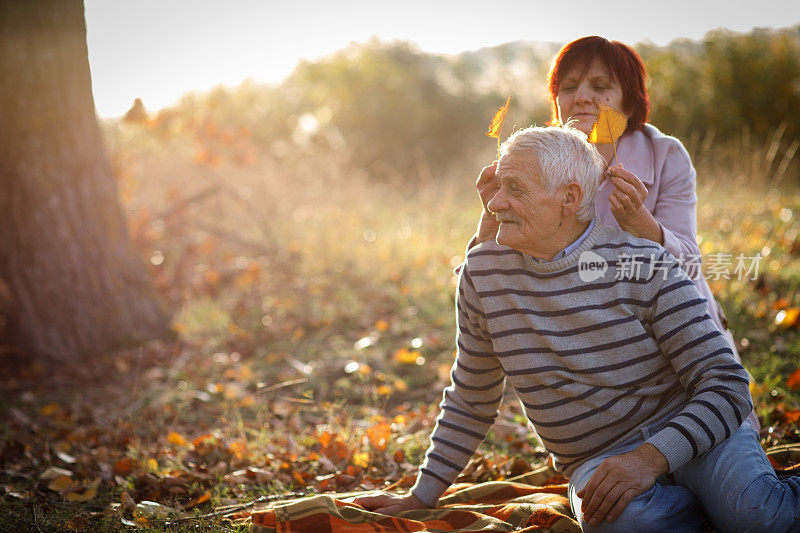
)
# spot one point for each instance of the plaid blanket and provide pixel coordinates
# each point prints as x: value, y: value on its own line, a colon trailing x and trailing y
x: 534, y: 501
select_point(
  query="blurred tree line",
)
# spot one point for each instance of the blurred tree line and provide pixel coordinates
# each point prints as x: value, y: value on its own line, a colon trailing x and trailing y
x: 394, y: 112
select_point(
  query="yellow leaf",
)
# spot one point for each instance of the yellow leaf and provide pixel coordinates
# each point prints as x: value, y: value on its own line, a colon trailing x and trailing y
x: 361, y: 459
x: 404, y: 356
x: 496, y: 125
x: 400, y: 385
x: 247, y: 401
x: 379, y: 435
x: 49, y: 409
x: 608, y: 126
x: 384, y: 390
x: 246, y: 373
x: 85, y: 496
x: 787, y: 317
x: 60, y: 483
x: 239, y: 449
x: 176, y: 439
x: 152, y: 464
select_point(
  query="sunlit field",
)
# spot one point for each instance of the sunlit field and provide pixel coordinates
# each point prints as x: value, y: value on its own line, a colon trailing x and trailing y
x: 314, y: 332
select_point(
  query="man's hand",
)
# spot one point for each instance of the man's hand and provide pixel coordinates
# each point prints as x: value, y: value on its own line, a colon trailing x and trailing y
x: 487, y: 186
x: 618, y: 480
x: 390, y: 504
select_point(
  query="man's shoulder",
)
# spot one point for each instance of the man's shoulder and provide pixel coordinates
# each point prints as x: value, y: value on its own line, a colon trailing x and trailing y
x: 489, y: 254
x: 614, y: 243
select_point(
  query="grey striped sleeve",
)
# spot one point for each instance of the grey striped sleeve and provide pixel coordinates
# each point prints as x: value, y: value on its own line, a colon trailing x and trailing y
x: 717, y: 386
x: 469, y: 404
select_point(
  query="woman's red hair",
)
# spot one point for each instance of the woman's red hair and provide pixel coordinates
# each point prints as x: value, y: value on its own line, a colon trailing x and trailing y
x: 622, y: 61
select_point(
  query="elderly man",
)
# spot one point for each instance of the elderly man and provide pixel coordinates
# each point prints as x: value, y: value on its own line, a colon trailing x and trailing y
x: 610, y: 349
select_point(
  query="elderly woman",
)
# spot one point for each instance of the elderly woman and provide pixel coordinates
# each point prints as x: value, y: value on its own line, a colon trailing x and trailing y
x: 649, y: 190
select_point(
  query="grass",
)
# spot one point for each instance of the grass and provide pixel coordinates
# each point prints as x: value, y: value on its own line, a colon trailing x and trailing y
x: 315, y: 322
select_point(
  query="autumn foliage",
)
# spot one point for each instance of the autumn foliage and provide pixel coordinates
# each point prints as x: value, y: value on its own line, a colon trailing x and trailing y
x: 313, y: 309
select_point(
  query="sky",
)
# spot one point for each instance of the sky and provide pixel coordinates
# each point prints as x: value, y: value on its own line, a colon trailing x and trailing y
x: 157, y: 50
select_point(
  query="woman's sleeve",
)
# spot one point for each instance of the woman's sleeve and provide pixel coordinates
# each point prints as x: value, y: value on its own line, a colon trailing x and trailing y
x: 676, y: 205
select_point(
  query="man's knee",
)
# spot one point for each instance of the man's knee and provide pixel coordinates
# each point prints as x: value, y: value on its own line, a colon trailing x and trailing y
x: 767, y: 505
x: 662, y: 508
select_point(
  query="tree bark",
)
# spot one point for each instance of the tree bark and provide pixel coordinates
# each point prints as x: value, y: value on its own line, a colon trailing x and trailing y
x: 75, y: 286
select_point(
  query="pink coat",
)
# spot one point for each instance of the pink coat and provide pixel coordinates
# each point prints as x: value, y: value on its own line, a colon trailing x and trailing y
x: 664, y: 167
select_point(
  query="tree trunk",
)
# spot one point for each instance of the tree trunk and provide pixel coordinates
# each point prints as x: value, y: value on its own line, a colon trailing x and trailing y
x: 74, y: 285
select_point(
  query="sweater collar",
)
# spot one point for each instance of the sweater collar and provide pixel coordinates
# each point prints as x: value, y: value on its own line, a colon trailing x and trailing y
x: 586, y: 241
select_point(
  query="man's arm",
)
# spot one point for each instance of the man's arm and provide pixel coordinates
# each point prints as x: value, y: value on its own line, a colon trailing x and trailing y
x: 717, y: 387
x: 469, y: 404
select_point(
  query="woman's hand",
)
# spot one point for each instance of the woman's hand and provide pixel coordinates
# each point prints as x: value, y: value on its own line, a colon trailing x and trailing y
x: 627, y: 198
x: 390, y: 504
x: 627, y: 205
x: 487, y: 185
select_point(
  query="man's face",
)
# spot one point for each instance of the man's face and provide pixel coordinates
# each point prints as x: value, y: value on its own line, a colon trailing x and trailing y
x: 528, y: 214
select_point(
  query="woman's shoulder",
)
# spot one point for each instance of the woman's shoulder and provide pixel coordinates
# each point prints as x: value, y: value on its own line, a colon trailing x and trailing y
x: 665, y: 147
x: 662, y: 140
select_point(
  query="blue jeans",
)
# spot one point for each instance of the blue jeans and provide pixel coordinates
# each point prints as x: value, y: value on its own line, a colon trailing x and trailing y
x: 731, y: 487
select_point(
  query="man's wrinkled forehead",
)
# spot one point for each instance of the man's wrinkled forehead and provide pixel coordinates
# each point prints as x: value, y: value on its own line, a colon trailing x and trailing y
x: 518, y: 164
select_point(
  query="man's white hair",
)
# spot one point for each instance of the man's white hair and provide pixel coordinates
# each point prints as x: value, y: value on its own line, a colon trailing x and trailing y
x: 564, y: 156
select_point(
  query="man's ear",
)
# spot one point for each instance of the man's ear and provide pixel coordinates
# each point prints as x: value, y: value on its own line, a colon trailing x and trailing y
x: 571, y: 200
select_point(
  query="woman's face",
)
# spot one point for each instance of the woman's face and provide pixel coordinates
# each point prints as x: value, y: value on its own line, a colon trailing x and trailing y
x: 579, y: 93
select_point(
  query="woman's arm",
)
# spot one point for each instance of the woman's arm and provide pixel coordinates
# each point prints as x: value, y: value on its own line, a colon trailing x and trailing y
x: 627, y: 205
x: 673, y: 220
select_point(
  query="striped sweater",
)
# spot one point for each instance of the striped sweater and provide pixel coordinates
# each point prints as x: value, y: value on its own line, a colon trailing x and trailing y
x: 591, y: 360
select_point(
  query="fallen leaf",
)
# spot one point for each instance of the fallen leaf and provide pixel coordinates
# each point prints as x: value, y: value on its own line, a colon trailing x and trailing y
x: 361, y: 459
x: 202, y: 438
x: 148, y: 509
x: 124, y: 466
x: 325, y: 439
x: 404, y: 356
x: 780, y: 303
x: 787, y: 318
x: 54, y: 472
x: 60, y: 483
x: 379, y: 435
x: 67, y: 458
x: 793, y: 381
x: 176, y: 439
x: 49, y: 409
x: 239, y: 449
x: 127, y: 502
x: 89, y: 492
x: 197, y: 501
